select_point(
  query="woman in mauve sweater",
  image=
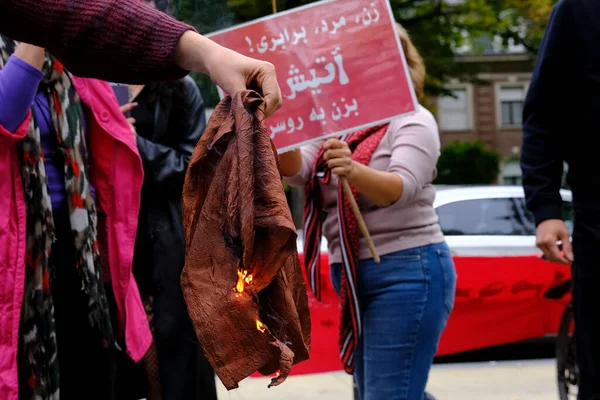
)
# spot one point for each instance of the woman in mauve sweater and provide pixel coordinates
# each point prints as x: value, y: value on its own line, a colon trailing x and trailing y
x: 69, y: 191
x: 393, y: 313
x: 124, y: 41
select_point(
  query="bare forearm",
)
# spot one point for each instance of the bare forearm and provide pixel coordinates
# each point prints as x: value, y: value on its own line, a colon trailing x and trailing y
x: 382, y: 188
x: 194, y: 52
x: 231, y: 71
x: 127, y: 41
x: 32, y: 55
x: 290, y: 163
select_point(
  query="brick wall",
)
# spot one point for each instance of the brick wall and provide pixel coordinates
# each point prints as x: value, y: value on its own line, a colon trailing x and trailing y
x: 492, y: 70
x: 484, y: 112
x: 485, y: 118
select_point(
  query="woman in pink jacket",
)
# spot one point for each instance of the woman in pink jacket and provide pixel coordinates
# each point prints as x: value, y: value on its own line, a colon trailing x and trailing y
x: 68, y: 220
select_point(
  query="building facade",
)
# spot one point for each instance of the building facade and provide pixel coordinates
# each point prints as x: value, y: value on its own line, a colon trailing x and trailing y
x: 491, y: 109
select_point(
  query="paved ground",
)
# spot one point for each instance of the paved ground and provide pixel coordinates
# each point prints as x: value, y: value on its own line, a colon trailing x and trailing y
x: 528, y: 380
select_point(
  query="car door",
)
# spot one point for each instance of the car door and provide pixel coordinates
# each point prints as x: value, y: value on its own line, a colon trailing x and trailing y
x: 501, y: 278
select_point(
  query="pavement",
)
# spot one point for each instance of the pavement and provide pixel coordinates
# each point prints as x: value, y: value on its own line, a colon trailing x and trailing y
x: 507, y: 380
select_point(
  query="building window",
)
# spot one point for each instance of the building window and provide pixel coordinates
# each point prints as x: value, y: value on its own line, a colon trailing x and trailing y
x: 454, y: 113
x: 511, y: 105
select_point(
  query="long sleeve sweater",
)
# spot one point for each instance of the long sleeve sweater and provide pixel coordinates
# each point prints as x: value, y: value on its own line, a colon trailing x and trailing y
x: 561, y: 115
x: 19, y: 91
x: 410, y: 149
x: 113, y: 40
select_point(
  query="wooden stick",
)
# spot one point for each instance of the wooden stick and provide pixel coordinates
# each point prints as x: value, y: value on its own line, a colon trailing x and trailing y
x: 361, y: 222
x: 348, y: 191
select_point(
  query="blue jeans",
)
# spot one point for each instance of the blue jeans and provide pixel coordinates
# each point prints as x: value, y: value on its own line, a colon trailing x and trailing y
x: 405, y: 302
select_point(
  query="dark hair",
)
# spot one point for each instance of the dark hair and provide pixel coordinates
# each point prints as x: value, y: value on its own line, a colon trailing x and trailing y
x: 174, y: 90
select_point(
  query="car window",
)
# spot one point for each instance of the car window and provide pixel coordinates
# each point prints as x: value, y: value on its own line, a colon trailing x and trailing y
x: 500, y: 216
x: 568, y: 214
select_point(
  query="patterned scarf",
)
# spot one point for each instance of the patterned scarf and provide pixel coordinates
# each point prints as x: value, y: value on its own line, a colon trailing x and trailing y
x: 363, y: 145
x: 37, y: 314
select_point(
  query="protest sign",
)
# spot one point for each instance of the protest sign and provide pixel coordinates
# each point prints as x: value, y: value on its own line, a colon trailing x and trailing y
x: 339, y: 63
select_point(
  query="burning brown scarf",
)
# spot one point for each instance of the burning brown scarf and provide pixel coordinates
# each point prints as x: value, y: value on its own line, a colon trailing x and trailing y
x: 242, y: 279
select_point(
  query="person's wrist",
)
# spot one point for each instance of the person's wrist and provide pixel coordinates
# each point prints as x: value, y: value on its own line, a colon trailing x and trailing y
x: 32, y: 55
x: 354, y: 171
x: 548, y: 211
x: 200, y: 54
x: 194, y: 52
x: 220, y: 57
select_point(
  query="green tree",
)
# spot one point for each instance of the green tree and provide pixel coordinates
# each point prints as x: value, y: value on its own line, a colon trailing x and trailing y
x: 522, y: 21
x: 206, y: 16
x: 439, y: 26
x: 467, y: 163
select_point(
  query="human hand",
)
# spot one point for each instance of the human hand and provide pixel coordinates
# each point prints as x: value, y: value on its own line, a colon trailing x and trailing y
x: 290, y: 162
x: 32, y: 55
x: 339, y: 158
x: 231, y: 71
x: 548, y: 234
x: 125, y: 108
x: 241, y: 73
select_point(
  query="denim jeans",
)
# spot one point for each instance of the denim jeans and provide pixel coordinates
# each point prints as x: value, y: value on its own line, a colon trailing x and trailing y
x: 405, y: 302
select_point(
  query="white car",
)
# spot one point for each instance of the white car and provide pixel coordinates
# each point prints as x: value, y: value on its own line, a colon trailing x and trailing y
x: 503, y: 286
x: 485, y: 220
x: 490, y: 220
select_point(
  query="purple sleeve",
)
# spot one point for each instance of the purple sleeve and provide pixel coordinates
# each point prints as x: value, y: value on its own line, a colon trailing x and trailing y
x: 19, y: 83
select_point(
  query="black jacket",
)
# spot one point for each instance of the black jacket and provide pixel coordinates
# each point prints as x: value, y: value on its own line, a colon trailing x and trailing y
x: 561, y: 117
x: 170, y: 119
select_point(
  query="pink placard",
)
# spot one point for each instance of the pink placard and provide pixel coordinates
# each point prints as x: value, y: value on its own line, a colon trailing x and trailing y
x: 339, y: 63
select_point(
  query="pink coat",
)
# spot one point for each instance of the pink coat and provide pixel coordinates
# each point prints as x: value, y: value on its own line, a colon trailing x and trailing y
x: 117, y: 174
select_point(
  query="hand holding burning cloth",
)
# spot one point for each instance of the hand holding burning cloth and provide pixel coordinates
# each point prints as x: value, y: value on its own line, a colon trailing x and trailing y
x: 242, y: 280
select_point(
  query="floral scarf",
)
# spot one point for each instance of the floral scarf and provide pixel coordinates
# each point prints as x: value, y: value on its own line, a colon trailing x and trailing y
x: 37, y: 315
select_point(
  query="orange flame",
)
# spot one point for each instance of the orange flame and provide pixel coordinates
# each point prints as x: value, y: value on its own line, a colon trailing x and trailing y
x: 260, y: 326
x: 243, y: 279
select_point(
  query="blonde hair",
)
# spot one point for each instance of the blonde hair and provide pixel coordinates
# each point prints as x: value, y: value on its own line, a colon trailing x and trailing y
x: 414, y: 60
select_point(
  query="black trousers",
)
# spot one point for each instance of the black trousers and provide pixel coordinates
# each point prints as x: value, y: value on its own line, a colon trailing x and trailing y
x: 184, y: 371
x: 87, y: 370
x: 586, y: 301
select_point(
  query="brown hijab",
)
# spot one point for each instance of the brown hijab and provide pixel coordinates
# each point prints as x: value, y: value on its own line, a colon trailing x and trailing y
x: 242, y: 279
